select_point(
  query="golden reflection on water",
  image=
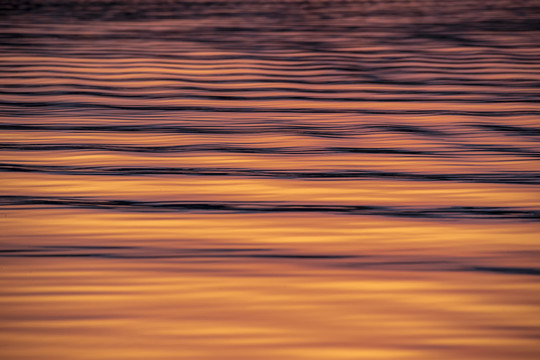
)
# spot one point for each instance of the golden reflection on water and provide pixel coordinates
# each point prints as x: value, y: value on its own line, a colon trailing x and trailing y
x: 309, y: 180
x: 137, y: 309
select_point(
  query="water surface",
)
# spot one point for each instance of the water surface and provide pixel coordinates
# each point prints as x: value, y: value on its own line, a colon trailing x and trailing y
x: 269, y: 179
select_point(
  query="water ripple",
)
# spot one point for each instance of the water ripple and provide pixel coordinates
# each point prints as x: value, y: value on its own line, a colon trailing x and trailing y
x: 454, y: 212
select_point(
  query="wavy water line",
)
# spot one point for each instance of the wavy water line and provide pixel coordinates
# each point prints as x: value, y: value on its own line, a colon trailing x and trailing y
x: 285, y: 74
x: 82, y: 106
x: 489, y: 149
x: 290, y: 57
x: 508, y: 83
x: 453, y: 212
x: 360, y: 261
x: 509, y: 177
x: 448, y: 67
x: 401, y: 59
x: 153, y: 89
x: 163, y: 95
x: 292, y: 52
x: 226, y: 148
x: 304, y: 130
x: 339, y: 131
x: 294, y: 60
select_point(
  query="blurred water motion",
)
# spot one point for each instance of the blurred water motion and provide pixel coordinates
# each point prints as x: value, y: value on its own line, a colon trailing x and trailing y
x: 299, y: 179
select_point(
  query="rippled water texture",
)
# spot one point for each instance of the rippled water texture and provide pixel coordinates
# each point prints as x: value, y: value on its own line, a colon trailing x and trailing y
x: 262, y: 180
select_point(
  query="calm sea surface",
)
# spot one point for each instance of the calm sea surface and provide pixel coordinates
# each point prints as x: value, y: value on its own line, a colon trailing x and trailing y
x: 264, y: 180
